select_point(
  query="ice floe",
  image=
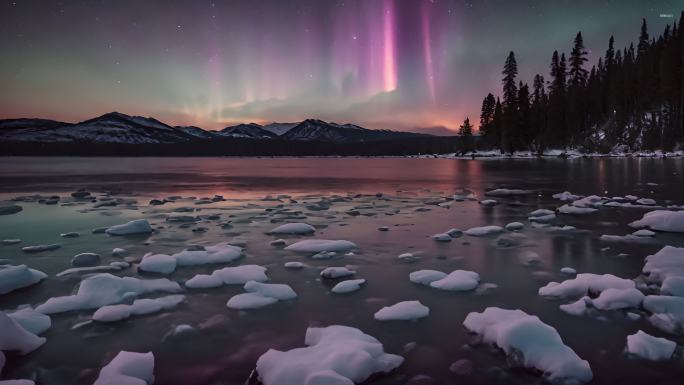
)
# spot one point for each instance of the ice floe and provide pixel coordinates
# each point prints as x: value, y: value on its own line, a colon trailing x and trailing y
x: 157, y: 263
x: 566, y: 196
x: 662, y: 220
x: 17, y: 277
x: 238, y: 275
x: 667, y: 312
x: 442, y: 237
x: 536, y: 344
x: 260, y: 295
x: 31, y: 320
x: 483, y: 231
x: 666, y: 267
x: 402, y: 311
x: 247, y: 301
x: 584, y: 284
x: 426, y: 277
x: 457, y: 280
x: 138, y: 226
x: 106, y: 289
x: 294, y: 265
x: 128, y: 368
x: 339, y: 355
x: 14, y: 337
x: 39, y: 248
x: 515, y: 226
x: 348, y: 286
x: 612, y: 299
x: 113, y: 313
x: 85, y: 259
x: 568, y: 270
x: 318, y: 245
x: 294, y: 228
x: 336, y: 272
x: 576, y: 308
x: 649, y: 347
x: 488, y: 202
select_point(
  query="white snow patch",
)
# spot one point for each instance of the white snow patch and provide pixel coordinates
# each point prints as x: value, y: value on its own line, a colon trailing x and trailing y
x: 583, y: 284
x: 668, y: 312
x: 403, y: 311
x: 128, y: 368
x: 113, y: 313
x: 238, y: 275
x: 483, y: 230
x: 318, y: 245
x: 14, y: 337
x: 426, y: 277
x: 138, y: 226
x: 31, y: 320
x: 336, y: 272
x: 348, y: 286
x: 294, y: 228
x: 650, y: 348
x: 662, y: 220
x: 458, y: 280
x: 17, y: 277
x: 612, y: 299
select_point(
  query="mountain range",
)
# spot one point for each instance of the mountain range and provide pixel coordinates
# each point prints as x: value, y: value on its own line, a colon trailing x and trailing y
x: 118, y: 128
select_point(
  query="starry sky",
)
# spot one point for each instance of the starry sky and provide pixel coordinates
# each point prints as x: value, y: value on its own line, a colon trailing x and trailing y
x: 396, y: 64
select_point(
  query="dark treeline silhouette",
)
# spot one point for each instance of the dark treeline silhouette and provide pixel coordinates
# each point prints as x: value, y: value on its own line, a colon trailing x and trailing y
x: 631, y: 99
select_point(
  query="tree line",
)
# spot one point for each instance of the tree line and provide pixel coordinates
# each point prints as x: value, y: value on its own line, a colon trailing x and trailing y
x: 630, y: 100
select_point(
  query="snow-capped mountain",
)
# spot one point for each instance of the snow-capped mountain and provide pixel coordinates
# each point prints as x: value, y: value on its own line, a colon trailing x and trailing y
x: 197, y: 132
x: 279, y: 128
x: 247, y: 130
x: 319, y: 130
x: 113, y: 127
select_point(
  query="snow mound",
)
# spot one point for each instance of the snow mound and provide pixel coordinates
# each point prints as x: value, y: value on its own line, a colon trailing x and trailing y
x: 566, y: 196
x: 612, y: 299
x: 650, y: 348
x: 667, y: 263
x: 158, y: 263
x: 570, y: 209
x: 261, y: 294
x: 629, y: 238
x: 113, y: 313
x: 14, y: 337
x: 514, y: 226
x: 668, y: 312
x: 338, y: 355
x: 348, y: 286
x: 426, y: 277
x: 457, y: 280
x: 583, y: 284
x: 219, y: 253
x: 403, y: 311
x: 138, y: 226
x: 17, y: 277
x: 238, y: 275
x: 128, y: 368
x: 442, y: 237
x: 336, y: 272
x: 106, y: 289
x: 538, y: 344
x: 662, y: 220
x: 318, y: 245
x: 576, y: 308
x: 31, y: 320
x: 483, y: 230
x: 294, y: 228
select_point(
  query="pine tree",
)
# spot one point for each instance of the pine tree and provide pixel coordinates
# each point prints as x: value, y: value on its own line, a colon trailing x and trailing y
x: 490, y: 137
x: 465, y: 131
x: 510, y: 104
x: 578, y: 56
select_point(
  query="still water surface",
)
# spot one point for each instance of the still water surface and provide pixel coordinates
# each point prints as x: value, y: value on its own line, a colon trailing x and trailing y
x: 226, y: 353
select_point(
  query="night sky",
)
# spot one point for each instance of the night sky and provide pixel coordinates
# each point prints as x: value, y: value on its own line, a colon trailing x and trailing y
x: 401, y: 64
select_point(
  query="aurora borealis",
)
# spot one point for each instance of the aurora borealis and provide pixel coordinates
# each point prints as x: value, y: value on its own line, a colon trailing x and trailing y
x: 397, y: 64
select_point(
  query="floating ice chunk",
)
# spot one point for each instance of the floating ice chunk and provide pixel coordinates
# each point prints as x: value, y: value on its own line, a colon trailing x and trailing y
x: 336, y: 272
x: 113, y: 313
x: 324, y: 255
x: 514, y: 226
x: 157, y: 263
x: 484, y: 230
x: 408, y: 257
x: 39, y: 248
x: 442, y: 237
x: 650, y: 348
x: 118, y: 252
x: 318, y: 245
x: 219, y: 253
x: 646, y: 201
x: 584, y: 284
x: 667, y: 262
x: 668, y: 312
x: 455, y: 233
x: 566, y: 196
x: 138, y: 226
x: 113, y: 266
x: 246, y: 301
x: 500, y: 192
x: 128, y: 368
x: 294, y: 228
x: 568, y: 270
x: 426, y: 277
x: 278, y: 291
x: 673, y: 285
x: 537, y: 343
x: 541, y: 213
x: 278, y: 242
x: 569, y: 209
x: 488, y: 202
x: 403, y: 311
x: 348, y: 286
x: 662, y: 220
x: 238, y: 275
x: 14, y: 337
x: 106, y: 289
x: 576, y: 308
x: 612, y: 299
x: 294, y: 265
x: 7, y: 242
x: 17, y: 277
x: 31, y: 320
x: 643, y: 233
x: 85, y: 259
x: 338, y: 355
x: 629, y: 238
x: 458, y: 280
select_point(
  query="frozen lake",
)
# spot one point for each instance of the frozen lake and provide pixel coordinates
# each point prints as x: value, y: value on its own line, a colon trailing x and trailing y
x: 343, y: 199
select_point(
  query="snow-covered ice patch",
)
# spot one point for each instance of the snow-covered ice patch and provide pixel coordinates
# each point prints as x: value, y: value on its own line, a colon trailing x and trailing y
x: 31, y: 320
x: 318, y: 245
x: 649, y: 347
x: 667, y: 312
x: 17, y: 277
x: 457, y: 280
x: 584, y: 284
x: 336, y: 272
x: 294, y: 228
x: 138, y: 226
x: 128, y: 368
x: 113, y: 313
x: 662, y: 220
x: 483, y: 231
x: 612, y: 299
x: 238, y: 275
x: 348, y: 286
x: 14, y: 337
x: 403, y: 311
x: 537, y: 344
x: 335, y: 354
